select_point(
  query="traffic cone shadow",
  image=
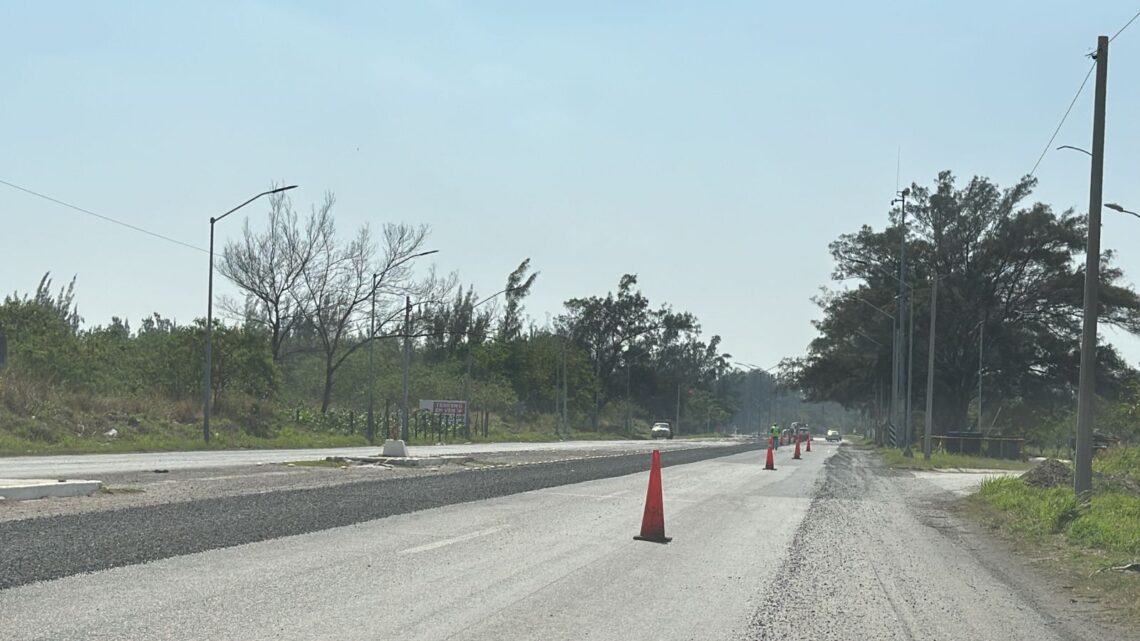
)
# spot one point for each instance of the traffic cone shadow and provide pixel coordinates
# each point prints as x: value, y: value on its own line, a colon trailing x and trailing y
x: 653, y: 521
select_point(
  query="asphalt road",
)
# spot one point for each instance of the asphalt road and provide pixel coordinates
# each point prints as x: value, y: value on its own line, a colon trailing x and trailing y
x: 39, y: 549
x: 829, y: 547
x: 92, y: 465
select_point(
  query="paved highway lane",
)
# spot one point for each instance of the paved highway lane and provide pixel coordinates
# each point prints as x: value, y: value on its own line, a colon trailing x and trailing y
x: 829, y: 547
x: 92, y: 465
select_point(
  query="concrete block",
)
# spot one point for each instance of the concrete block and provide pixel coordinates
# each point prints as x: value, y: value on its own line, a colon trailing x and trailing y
x: 394, y: 448
x: 26, y: 489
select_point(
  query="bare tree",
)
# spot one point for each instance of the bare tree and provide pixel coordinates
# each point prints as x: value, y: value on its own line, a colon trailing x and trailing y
x: 340, y: 281
x: 269, y: 265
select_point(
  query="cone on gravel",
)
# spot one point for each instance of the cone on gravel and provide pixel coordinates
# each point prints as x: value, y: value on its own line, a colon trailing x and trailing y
x: 770, y: 463
x: 653, y: 521
x: 808, y: 439
x: 796, y: 453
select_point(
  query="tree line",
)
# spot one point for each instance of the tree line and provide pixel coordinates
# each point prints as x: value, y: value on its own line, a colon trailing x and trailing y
x: 1010, y: 293
x: 315, y: 305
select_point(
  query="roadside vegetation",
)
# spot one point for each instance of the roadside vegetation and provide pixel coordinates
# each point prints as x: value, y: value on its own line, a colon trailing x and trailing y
x: 939, y: 460
x: 1040, y: 514
x: 291, y: 356
x: 1006, y: 267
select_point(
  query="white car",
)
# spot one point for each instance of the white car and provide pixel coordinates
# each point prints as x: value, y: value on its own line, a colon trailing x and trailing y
x: 661, y: 430
x: 834, y: 435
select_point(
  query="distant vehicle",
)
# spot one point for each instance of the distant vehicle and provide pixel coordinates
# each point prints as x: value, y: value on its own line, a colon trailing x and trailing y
x: 661, y: 430
x: 834, y: 435
x: 803, y: 431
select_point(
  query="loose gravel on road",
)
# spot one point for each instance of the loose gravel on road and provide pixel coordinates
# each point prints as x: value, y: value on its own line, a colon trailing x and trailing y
x: 38, y: 549
x: 879, y: 556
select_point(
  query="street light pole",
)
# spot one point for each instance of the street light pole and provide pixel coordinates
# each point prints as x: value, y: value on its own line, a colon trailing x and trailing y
x: 628, y: 400
x: 371, y: 369
x: 1115, y: 207
x: 677, y: 428
x: 907, y: 422
x: 407, y: 364
x: 1082, y: 478
x: 467, y: 375
x: 207, y: 375
x: 930, y: 373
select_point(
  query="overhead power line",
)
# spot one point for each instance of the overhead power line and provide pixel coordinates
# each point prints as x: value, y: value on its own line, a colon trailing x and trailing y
x: 1063, y: 118
x: 1078, y: 95
x: 1125, y: 26
x: 102, y: 217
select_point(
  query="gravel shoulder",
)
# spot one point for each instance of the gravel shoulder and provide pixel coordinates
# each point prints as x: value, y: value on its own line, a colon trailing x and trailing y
x: 882, y: 554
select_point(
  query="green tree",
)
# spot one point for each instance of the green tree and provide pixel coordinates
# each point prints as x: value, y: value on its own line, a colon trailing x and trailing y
x: 1006, y: 269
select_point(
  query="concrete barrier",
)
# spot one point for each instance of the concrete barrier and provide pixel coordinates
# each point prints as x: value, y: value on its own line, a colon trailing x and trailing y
x: 26, y: 489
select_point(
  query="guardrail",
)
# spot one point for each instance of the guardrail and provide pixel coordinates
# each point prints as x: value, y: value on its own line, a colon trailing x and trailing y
x: 991, y: 446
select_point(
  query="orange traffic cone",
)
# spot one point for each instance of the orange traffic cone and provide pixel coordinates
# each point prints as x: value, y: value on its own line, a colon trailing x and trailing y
x: 770, y: 464
x: 653, y: 522
x: 808, y: 439
x: 796, y: 453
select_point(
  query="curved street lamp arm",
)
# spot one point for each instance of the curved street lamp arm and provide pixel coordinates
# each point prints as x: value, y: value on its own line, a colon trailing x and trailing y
x: 264, y: 193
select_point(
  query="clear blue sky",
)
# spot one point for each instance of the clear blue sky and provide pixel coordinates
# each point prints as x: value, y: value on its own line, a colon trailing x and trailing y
x: 712, y: 148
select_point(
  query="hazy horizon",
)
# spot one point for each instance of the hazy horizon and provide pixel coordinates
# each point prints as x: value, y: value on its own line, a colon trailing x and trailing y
x: 713, y: 151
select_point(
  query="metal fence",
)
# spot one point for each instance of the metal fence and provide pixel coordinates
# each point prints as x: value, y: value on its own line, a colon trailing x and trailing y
x: 978, y: 445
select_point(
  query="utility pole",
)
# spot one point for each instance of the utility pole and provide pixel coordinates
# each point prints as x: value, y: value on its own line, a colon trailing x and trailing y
x: 981, y: 355
x: 896, y: 391
x: 1086, y: 396
x: 892, y: 420
x: 677, y: 427
x: 930, y: 372
x: 407, y: 364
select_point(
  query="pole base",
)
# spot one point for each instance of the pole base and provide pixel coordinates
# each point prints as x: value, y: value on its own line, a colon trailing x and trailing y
x: 394, y: 448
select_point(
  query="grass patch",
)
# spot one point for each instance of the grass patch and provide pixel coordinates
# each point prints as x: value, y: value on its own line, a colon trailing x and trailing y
x: 1076, y: 541
x: 1119, y: 461
x: 945, y: 461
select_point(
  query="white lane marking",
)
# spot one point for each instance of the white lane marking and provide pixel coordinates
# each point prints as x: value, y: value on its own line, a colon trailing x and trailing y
x: 602, y: 497
x: 446, y: 542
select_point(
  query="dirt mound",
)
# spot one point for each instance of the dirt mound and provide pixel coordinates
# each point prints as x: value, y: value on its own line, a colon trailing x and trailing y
x: 1049, y: 473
